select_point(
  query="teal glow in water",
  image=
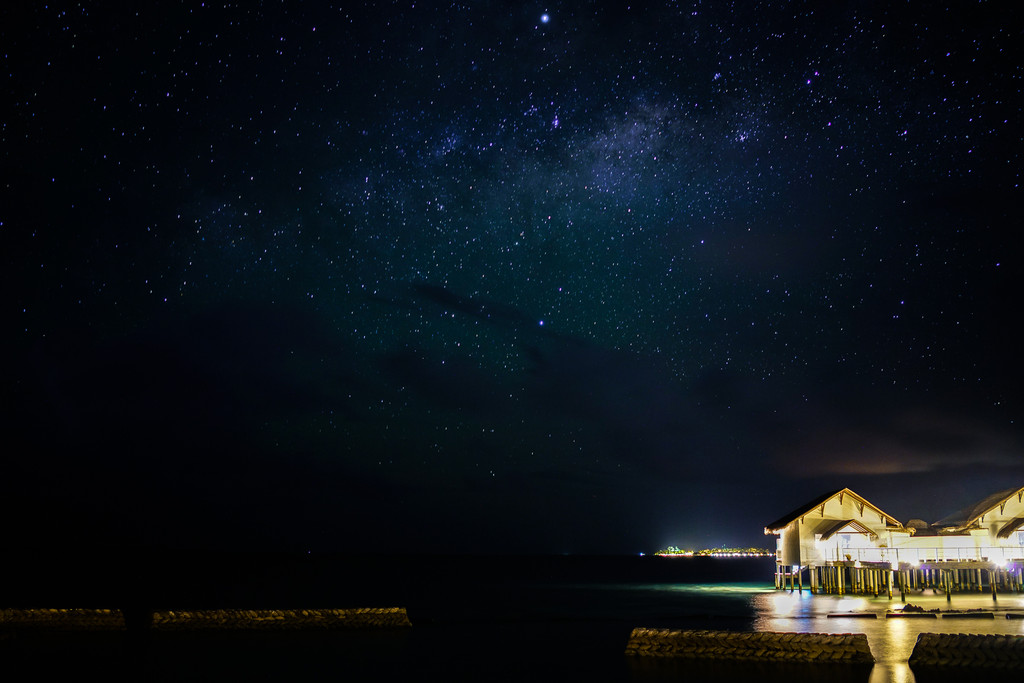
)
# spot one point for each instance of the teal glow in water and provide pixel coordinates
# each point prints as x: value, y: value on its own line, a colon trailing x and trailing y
x: 729, y: 589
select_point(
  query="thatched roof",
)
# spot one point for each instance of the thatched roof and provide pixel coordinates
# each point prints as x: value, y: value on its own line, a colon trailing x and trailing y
x: 969, y: 516
x: 819, y: 502
x: 1010, y: 527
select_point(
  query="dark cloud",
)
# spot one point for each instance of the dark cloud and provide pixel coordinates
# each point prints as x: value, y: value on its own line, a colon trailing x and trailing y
x: 907, y: 442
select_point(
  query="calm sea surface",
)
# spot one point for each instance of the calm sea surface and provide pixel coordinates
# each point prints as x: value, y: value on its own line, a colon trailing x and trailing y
x: 474, y: 618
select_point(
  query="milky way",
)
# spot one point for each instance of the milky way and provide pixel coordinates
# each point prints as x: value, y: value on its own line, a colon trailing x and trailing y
x: 545, y: 278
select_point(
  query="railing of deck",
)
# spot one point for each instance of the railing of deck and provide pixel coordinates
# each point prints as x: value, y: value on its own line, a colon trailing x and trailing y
x: 897, y: 556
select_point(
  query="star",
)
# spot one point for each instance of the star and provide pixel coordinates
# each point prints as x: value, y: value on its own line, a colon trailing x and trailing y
x: 351, y: 280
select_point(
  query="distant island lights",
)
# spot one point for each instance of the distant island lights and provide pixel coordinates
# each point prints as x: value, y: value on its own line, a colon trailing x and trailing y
x: 673, y: 551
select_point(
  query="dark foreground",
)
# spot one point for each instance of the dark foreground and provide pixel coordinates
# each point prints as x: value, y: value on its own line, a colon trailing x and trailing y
x: 473, y: 618
x: 496, y: 652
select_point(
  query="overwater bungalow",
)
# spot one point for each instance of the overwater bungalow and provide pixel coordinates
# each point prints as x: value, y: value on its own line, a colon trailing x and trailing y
x: 842, y: 543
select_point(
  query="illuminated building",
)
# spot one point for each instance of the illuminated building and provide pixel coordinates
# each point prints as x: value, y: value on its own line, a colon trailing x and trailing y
x: 842, y: 542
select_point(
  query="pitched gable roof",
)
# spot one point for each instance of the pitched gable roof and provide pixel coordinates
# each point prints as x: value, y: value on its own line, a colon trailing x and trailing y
x: 819, y: 503
x: 970, y: 515
x: 782, y: 522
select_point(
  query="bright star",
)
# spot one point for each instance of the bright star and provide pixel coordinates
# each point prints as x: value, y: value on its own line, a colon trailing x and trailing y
x: 544, y: 18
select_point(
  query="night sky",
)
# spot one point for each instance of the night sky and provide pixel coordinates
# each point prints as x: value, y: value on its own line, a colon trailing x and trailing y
x: 502, y: 276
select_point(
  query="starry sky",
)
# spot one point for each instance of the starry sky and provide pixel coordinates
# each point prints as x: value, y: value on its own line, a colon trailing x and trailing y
x: 504, y: 277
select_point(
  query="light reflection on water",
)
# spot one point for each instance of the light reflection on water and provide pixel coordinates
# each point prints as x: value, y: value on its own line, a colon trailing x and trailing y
x: 891, y: 640
x: 710, y: 606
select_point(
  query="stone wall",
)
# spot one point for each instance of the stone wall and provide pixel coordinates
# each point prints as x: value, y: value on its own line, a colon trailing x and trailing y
x: 63, y: 619
x: 367, y: 617
x: 107, y: 619
x: 759, y: 646
x: 966, y: 650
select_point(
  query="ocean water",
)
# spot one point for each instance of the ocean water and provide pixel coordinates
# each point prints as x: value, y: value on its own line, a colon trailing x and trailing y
x: 474, y: 618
